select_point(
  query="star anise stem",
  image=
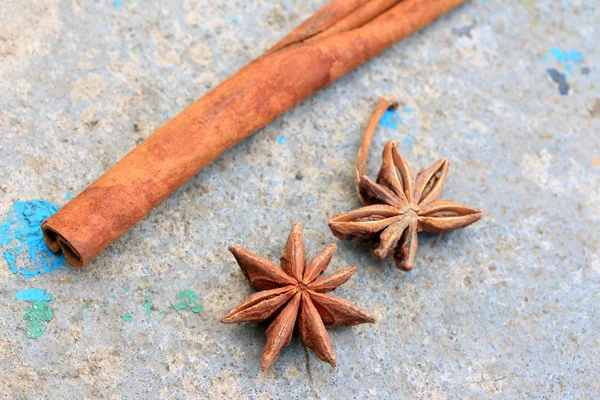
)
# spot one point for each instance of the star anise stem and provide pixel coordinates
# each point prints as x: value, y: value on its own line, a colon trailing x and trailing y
x: 386, y: 102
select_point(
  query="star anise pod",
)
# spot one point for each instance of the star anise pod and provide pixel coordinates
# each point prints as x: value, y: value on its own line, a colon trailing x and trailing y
x: 398, y: 206
x: 294, y: 294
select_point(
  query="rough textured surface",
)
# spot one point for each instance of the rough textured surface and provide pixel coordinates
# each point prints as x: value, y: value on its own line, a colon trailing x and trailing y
x: 505, y: 308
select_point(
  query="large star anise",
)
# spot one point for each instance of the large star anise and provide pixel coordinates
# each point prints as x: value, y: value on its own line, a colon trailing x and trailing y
x: 294, y: 293
x: 398, y: 206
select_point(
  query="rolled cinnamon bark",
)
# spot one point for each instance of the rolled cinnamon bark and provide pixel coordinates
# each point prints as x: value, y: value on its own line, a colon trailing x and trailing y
x: 336, y: 40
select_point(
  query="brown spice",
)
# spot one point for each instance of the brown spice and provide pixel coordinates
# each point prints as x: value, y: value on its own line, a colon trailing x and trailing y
x: 294, y: 294
x: 398, y: 206
x: 333, y: 42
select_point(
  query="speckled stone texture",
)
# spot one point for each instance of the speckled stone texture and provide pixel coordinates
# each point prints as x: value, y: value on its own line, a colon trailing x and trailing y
x: 506, y: 308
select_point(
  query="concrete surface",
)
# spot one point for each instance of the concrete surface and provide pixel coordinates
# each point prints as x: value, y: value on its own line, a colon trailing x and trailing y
x: 507, y: 308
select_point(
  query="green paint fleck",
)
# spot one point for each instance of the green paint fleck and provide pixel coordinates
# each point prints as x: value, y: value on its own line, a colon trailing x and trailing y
x: 163, y: 313
x: 126, y: 289
x: 105, y: 303
x: 89, y: 305
x: 28, y: 344
x: 81, y: 307
x: 148, y: 307
x: 39, y: 312
x: 196, y: 308
x: 151, y: 290
x: 127, y: 317
x: 180, y: 306
x: 191, y: 296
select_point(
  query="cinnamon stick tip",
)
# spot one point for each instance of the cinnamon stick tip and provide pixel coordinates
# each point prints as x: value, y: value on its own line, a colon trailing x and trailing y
x: 57, y: 243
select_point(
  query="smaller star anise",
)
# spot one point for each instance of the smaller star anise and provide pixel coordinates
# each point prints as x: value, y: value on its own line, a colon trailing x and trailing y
x: 294, y: 294
x: 398, y: 206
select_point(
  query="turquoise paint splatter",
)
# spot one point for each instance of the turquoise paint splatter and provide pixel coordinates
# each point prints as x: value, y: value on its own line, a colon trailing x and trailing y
x: 409, y: 143
x: 180, y: 306
x: 38, y: 312
x: 235, y: 21
x: 127, y: 317
x: 33, y: 294
x: 164, y: 112
x: 191, y: 299
x: 117, y: 3
x: 281, y: 139
x: 408, y: 110
x: 469, y: 135
x: 287, y: 5
x: 196, y: 308
x: 191, y: 296
x: 69, y: 196
x: 22, y: 241
x: 390, y: 119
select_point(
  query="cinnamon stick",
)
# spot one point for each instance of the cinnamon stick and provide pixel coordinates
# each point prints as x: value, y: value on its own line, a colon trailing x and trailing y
x: 337, y: 39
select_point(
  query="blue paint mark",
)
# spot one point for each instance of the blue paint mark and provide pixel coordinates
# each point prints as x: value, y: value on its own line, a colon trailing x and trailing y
x: 408, y: 110
x: 164, y: 112
x: 235, y: 21
x: 409, y: 143
x: 117, y: 3
x: 281, y: 139
x: 469, y: 135
x: 569, y: 68
x: 33, y: 294
x: 570, y: 56
x: 22, y: 241
x: 546, y: 57
x: 180, y: 20
x: 390, y: 119
x: 287, y: 5
x: 69, y: 196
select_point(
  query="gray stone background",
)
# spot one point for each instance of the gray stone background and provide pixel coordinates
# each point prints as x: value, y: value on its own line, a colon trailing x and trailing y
x: 506, y: 308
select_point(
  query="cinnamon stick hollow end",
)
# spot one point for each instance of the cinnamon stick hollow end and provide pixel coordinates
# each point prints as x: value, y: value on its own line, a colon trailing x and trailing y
x: 57, y: 242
